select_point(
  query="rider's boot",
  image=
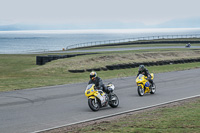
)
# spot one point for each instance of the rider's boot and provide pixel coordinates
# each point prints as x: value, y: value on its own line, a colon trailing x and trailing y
x: 152, y: 84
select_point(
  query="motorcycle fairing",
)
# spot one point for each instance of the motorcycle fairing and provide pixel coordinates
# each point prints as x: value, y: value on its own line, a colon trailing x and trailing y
x: 147, y: 84
x: 91, y: 97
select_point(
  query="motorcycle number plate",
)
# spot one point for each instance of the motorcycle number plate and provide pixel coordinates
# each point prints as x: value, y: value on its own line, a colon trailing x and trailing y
x: 147, y: 84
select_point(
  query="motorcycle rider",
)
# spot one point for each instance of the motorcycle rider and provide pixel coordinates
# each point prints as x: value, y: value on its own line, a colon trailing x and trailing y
x: 94, y: 79
x: 144, y: 71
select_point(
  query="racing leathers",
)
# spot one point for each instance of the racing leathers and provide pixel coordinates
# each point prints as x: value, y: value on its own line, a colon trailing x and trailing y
x: 98, y: 83
x: 101, y: 87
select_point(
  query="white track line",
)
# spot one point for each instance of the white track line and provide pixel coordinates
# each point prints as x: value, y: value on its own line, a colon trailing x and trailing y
x: 128, y: 111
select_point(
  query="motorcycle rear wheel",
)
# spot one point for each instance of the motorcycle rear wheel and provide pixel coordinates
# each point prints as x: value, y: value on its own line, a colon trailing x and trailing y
x: 153, y: 89
x: 140, y: 91
x: 93, y: 106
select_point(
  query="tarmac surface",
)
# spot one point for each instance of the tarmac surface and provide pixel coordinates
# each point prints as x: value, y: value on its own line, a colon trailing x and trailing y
x: 37, y: 109
x: 109, y: 49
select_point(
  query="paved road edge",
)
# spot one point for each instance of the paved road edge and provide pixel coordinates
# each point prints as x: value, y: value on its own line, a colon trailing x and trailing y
x: 120, y: 113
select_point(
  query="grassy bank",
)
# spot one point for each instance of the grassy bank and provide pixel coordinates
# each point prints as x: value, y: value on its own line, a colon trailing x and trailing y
x: 182, y: 117
x: 21, y: 71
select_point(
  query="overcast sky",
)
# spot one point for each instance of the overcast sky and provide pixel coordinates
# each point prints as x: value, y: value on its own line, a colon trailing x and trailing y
x: 80, y: 12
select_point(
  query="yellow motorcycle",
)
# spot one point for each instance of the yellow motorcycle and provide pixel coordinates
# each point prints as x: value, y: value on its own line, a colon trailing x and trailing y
x: 98, y: 99
x: 144, y: 86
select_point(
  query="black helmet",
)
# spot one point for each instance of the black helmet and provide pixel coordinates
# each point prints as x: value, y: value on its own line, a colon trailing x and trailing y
x: 141, y: 68
x: 93, y: 75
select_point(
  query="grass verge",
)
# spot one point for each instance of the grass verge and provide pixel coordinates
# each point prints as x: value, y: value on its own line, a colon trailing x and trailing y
x: 178, y: 117
x: 21, y: 71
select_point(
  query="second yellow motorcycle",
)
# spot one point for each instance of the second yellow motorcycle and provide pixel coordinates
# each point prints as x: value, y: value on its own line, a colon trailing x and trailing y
x: 143, y: 85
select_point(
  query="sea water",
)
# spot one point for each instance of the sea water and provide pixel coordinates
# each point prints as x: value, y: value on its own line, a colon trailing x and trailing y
x: 17, y: 42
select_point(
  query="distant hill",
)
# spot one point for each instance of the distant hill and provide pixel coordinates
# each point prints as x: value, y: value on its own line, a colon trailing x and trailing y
x: 8, y: 27
x: 179, y: 23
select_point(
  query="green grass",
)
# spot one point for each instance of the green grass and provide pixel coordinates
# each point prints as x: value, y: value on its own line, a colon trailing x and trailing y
x: 21, y: 71
x: 183, y: 118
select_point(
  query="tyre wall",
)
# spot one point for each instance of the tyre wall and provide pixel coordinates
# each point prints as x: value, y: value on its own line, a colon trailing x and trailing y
x: 41, y: 60
x: 135, y: 65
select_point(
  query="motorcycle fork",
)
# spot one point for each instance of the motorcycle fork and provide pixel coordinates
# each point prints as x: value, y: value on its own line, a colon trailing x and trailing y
x: 95, y: 100
x: 143, y: 87
x: 146, y: 90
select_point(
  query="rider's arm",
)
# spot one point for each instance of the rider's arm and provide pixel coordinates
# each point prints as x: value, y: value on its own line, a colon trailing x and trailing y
x: 99, y: 84
x: 148, y: 74
x: 90, y: 82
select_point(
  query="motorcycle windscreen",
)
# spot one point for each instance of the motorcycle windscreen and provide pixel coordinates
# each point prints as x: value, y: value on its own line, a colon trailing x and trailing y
x: 140, y: 76
x: 89, y: 86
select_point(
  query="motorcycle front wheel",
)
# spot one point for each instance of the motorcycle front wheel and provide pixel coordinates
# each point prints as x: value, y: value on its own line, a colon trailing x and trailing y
x: 94, y: 106
x: 114, y: 101
x: 140, y: 91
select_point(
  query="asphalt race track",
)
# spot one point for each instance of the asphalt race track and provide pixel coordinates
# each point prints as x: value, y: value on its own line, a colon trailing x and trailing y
x: 125, y: 49
x: 102, y: 49
x: 37, y: 109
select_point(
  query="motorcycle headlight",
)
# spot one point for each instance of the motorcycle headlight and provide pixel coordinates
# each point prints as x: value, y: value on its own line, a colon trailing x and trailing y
x: 88, y: 92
